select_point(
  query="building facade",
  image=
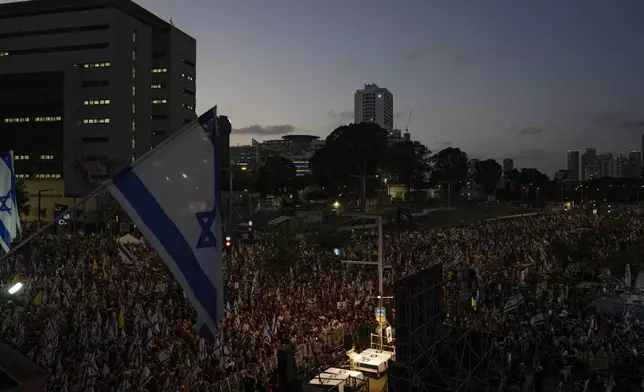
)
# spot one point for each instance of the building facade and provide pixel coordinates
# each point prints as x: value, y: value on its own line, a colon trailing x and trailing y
x: 636, y: 163
x: 587, y: 159
x: 87, y: 86
x: 374, y: 104
x: 508, y: 165
x: 573, y: 165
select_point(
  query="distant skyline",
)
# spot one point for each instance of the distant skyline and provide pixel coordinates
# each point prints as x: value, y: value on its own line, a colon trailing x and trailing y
x: 519, y: 79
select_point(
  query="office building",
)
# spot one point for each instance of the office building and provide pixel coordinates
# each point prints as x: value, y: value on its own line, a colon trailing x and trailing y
x: 606, y: 163
x: 586, y: 159
x: 87, y: 86
x: 374, y: 104
x: 636, y: 163
x: 573, y: 165
x: 508, y: 165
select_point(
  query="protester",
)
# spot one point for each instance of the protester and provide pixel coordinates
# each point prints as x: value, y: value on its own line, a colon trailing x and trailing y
x: 99, y: 320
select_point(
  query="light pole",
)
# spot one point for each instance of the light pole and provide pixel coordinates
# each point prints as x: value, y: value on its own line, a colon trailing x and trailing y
x: 378, y: 220
x: 40, y: 192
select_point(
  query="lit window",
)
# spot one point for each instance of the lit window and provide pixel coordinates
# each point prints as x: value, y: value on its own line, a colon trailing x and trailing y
x: 22, y: 176
x: 4, y: 54
x: 187, y: 106
x: 95, y: 65
x: 156, y: 86
x: 159, y: 101
x: 48, y: 119
x: 21, y: 157
x: 13, y: 120
x: 159, y: 70
x: 97, y: 102
x: 96, y: 121
x: 133, y: 143
x: 46, y: 157
x: 190, y: 78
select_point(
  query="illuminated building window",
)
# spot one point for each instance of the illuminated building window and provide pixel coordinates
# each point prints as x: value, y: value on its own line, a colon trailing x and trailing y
x: 24, y: 176
x: 96, y: 121
x: 4, y: 54
x: 48, y: 119
x: 21, y: 157
x: 46, y: 157
x: 13, y: 120
x: 106, y: 64
x: 157, y: 86
x: 97, y: 102
x: 47, y: 176
x: 159, y: 101
x: 187, y: 106
x: 159, y: 70
x: 189, y: 77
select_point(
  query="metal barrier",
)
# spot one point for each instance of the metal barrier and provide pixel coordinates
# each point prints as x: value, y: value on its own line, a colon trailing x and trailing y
x: 304, y: 352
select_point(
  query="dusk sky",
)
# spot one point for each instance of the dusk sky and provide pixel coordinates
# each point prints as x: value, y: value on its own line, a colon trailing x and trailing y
x: 520, y: 79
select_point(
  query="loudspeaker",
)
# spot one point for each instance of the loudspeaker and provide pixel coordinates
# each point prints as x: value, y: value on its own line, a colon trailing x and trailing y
x: 285, y: 365
x: 348, y: 342
x: 363, y: 336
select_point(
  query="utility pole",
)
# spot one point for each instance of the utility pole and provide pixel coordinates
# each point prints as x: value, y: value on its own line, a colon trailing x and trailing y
x: 363, y: 189
x: 449, y: 192
x: 40, y: 192
x: 230, y: 196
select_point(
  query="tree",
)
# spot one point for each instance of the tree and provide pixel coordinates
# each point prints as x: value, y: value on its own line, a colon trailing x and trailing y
x: 487, y: 174
x: 449, y: 165
x: 275, y: 177
x: 22, y: 198
x: 411, y: 162
x: 350, y: 151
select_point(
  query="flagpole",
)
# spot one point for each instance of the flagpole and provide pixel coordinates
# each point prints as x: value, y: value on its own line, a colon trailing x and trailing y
x: 104, y: 186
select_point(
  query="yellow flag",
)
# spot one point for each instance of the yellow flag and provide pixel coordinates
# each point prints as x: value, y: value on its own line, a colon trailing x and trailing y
x: 38, y: 298
x: 16, y: 279
x: 121, y: 320
x: 94, y: 265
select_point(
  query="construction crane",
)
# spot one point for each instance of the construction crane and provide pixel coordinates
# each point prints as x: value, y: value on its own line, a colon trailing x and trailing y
x: 408, y: 121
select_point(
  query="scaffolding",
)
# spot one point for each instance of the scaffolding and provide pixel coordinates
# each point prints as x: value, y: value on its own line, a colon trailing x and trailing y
x: 433, y: 356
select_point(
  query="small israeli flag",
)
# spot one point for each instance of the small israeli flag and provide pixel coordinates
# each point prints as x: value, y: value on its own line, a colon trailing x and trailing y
x: 9, y: 214
x: 173, y: 196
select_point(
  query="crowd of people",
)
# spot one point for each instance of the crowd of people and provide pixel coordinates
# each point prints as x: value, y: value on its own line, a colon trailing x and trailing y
x: 98, y: 323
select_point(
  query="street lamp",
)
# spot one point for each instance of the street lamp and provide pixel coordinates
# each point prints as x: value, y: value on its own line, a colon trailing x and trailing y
x: 40, y: 192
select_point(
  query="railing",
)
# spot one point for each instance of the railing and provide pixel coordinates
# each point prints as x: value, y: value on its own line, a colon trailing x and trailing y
x: 304, y: 352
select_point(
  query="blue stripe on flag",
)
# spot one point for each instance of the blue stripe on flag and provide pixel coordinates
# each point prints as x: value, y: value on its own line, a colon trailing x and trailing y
x: 170, y: 237
x: 5, y: 236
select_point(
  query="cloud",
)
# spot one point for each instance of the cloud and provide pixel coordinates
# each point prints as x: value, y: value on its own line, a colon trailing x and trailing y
x: 531, y: 131
x: 620, y: 120
x: 531, y: 154
x: 433, y: 49
x: 423, y: 51
x: 269, y: 130
x: 444, y: 144
x: 346, y: 115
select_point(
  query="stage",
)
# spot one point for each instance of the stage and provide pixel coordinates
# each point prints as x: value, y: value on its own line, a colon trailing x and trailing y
x: 339, y: 378
x: 372, y: 361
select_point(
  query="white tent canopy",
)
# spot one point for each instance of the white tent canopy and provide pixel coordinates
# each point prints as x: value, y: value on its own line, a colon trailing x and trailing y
x: 128, y: 239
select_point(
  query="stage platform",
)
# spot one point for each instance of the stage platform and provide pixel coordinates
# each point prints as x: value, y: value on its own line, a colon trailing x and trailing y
x: 339, y: 378
x: 372, y: 361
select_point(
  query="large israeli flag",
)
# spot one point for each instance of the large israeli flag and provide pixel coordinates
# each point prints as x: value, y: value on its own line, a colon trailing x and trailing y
x: 173, y: 196
x: 9, y: 214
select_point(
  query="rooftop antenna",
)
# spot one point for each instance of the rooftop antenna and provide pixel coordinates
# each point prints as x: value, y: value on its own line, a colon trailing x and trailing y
x: 172, y: 23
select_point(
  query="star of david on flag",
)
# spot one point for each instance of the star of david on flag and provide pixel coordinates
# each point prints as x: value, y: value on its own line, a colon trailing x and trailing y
x: 173, y: 196
x: 9, y: 214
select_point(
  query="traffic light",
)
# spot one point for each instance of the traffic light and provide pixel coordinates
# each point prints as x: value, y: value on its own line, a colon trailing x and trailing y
x: 228, y: 245
x: 251, y: 233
